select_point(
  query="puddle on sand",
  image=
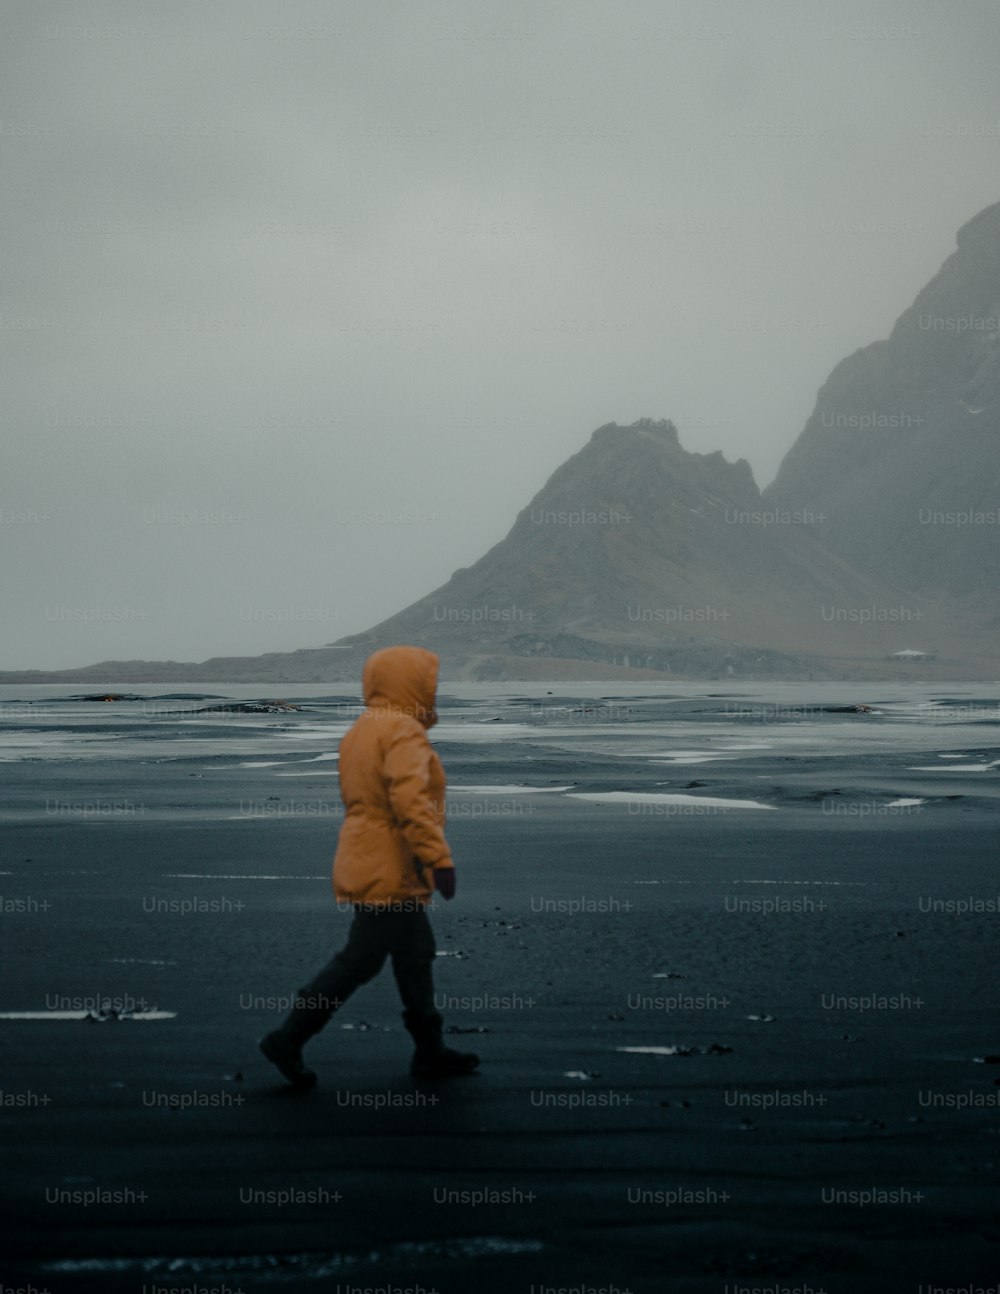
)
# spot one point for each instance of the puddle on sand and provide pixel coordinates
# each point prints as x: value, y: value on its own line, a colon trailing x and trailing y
x: 505, y: 790
x: 664, y: 797
x: 84, y: 1015
x: 307, y: 1266
x: 229, y: 876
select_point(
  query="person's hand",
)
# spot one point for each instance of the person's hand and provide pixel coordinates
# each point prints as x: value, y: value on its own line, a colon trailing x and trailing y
x: 444, y: 881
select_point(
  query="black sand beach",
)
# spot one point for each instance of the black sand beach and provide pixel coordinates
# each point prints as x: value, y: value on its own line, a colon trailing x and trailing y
x: 822, y: 965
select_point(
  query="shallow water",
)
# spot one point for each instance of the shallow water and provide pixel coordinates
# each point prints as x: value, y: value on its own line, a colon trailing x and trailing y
x: 671, y: 749
x: 680, y: 722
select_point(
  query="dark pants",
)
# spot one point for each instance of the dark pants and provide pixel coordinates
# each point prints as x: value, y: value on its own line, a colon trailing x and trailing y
x: 405, y: 935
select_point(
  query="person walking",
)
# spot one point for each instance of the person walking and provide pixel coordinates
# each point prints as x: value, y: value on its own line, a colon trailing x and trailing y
x: 391, y: 857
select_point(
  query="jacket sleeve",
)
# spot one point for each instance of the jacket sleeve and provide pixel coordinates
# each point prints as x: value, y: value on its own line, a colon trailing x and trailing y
x: 407, y: 774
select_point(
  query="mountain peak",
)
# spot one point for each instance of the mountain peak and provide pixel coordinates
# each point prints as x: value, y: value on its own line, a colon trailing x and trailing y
x: 983, y: 230
x: 660, y: 428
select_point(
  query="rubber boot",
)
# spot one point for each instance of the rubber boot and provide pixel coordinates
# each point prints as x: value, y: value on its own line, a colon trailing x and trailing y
x: 432, y: 1059
x: 283, y: 1046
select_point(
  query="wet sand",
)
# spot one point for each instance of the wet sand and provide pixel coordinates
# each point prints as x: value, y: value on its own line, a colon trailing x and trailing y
x: 842, y: 1140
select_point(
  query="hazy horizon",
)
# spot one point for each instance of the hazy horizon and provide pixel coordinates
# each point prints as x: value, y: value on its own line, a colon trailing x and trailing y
x: 305, y: 302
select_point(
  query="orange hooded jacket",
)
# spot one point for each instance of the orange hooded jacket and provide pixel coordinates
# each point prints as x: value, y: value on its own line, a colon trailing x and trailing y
x: 392, y: 785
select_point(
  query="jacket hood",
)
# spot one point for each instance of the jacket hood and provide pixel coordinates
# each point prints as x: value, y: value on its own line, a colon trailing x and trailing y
x: 403, y: 678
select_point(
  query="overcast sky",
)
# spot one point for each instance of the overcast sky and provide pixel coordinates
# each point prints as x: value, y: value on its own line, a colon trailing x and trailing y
x: 303, y: 301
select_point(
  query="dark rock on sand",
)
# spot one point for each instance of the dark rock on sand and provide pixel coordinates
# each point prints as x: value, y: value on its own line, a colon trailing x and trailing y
x: 250, y: 707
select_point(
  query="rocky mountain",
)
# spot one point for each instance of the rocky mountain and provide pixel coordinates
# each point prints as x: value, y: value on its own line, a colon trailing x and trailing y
x: 901, y: 455
x: 639, y: 553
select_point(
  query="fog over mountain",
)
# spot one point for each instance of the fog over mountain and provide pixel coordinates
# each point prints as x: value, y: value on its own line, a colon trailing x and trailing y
x: 878, y: 536
x: 902, y: 452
